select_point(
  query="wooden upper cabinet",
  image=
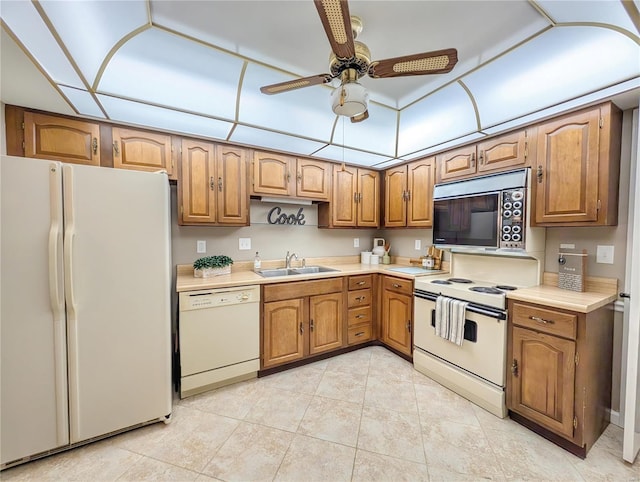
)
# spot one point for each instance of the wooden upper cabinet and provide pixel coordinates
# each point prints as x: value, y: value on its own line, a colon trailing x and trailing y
x: 197, y: 185
x: 409, y: 194
x: 273, y: 174
x: 313, y: 179
x: 61, y: 139
x: 355, y: 201
x: 505, y: 152
x: 575, y: 178
x: 142, y: 151
x: 232, y: 195
x: 368, y: 191
x: 213, y: 184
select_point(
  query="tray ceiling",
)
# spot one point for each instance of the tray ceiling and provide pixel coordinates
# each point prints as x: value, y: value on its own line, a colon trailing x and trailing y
x: 195, y: 67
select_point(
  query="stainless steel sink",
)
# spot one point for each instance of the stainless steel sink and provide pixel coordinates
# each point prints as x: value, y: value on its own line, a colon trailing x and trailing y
x: 269, y: 273
x: 312, y: 269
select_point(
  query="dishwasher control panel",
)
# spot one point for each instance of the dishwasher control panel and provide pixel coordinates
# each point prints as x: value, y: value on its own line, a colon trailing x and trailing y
x: 204, y: 299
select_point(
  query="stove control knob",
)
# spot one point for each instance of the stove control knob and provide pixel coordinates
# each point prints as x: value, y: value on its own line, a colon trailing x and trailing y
x: 506, y: 229
x: 506, y: 237
x: 517, y: 205
x: 516, y: 228
x: 517, y: 195
x: 506, y: 213
x: 517, y: 213
x: 507, y: 205
x: 516, y: 237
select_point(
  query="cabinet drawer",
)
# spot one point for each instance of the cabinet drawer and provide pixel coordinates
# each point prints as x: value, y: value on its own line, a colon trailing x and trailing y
x: 359, y: 315
x: 399, y: 285
x: 546, y: 321
x: 300, y: 289
x: 359, y: 334
x: 360, y: 282
x: 359, y: 298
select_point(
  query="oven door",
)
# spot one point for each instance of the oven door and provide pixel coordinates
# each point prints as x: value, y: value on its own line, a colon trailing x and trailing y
x: 484, y: 349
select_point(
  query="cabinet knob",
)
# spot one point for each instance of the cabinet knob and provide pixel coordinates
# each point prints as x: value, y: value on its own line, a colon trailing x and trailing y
x: 409, y: 326
x: 481, y: 158
x: 473, y: 159
x: 95, y: 145
x: 301, y: 328
x: 395, y: 285
x: 514, y: 367
x: 220, y: 184
x: 212, y: 183
x: 539, y: 174
x: 116, y: 149
x: 311, y: 324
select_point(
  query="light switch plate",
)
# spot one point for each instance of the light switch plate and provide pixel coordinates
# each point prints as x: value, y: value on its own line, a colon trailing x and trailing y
x: 418, y: 245
x: 604, y: 254
x: 244, y: 243
x: 201, y: 246
x: 356, y: 242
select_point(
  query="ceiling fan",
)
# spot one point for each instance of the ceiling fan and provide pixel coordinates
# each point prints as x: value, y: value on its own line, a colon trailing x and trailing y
x: 350, y: 60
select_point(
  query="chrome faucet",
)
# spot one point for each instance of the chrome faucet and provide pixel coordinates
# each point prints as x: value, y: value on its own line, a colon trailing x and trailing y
x: 287, y: 259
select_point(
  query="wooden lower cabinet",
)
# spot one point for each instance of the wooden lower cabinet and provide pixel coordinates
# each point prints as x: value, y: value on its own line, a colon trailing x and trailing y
x: 559, y: 378
x: 397, y: 313
x: 301, y: 319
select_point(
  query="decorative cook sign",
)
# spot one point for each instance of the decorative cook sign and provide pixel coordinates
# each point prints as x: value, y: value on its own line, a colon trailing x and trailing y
x: 276, y: 216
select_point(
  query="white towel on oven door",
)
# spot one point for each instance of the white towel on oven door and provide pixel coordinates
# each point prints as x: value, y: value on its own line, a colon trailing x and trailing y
x: 450, y: 316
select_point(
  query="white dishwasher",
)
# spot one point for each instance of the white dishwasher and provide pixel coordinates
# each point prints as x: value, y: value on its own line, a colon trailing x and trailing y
x: 219, y: 337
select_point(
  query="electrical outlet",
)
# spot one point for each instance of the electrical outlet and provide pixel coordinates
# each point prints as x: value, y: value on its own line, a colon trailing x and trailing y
x: 604, y: 254
x: 356, y: 242
x: 418, y: 245
x: 244, y: 244
x: 201, y: 246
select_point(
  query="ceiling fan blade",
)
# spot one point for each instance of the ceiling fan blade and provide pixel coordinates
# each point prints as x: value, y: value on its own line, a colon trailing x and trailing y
x: 337, y: 24
x: 360, y: 117
x: 296, y: 84
x: 436, y: 62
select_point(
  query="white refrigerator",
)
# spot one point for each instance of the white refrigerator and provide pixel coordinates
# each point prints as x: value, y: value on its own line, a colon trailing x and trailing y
x: 85, y: 303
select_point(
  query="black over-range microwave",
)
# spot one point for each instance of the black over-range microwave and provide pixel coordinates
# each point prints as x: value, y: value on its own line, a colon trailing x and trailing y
x: 487, y: 211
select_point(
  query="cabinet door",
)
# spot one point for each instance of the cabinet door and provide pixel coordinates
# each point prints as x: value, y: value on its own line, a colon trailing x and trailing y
x: 504, y: 152
x: 420, y: 181
x: 272, y: 174
x: 565, y: 179
x: 141, y: 151
x: 283, y: 332
x: 396, y: 320
x: 231, y: 185
x: 395, y: 197
x: 368, y: 198
x: 325, y: 323
x: 343, y: 204
x: 543, y: 378
x: 313, y: 179
x: 60, y: 139
x: 456, y: 164
x: 197, y: 184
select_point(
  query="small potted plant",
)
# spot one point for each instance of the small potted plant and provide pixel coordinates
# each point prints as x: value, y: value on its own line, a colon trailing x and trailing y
x: 212, y: 266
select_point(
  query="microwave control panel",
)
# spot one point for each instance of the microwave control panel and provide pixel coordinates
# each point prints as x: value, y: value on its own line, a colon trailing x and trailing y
x: 512, y: 218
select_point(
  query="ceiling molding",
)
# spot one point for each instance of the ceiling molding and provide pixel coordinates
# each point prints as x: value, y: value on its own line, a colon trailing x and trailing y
x: 473, y: 102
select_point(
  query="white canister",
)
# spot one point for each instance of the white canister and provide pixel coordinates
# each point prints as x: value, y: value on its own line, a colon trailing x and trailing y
x: 375, y: 259
x: 365, y: 257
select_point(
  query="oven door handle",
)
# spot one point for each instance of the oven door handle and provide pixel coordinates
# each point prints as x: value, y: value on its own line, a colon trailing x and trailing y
x: 473, y: 308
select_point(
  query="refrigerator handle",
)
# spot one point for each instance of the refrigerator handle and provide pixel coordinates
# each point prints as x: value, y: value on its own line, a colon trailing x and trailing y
x: 55, y: 236
x: 69, y: 235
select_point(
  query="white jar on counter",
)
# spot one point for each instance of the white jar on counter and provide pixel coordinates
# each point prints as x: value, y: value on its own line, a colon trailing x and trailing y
x: 365, y: 257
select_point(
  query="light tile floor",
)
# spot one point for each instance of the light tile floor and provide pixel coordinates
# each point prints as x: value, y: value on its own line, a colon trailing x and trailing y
x: 362, y: 416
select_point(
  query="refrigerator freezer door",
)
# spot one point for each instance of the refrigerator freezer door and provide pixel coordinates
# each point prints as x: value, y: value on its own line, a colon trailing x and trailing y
x: 117, y: 287
x: 33, y: 379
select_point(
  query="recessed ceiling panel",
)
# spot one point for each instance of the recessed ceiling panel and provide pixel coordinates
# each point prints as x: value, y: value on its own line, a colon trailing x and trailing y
x: 161, y: 68
x: 27, y: 25
x: 305, y: 112
x: 273, y: 140
x: 377, y: 133
x: 82, y: 101
x: 442, y: 116
x: 150, y: 116
x: 562, y: 64
x: 351, y: 156
x: 90, y: 30
x: 608, y: 12
x: 21, y: 83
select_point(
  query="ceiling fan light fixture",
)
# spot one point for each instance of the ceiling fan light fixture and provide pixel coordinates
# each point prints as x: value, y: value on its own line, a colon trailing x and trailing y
x: 350, y: 99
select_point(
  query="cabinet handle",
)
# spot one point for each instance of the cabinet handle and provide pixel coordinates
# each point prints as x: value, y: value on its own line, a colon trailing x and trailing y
x: 481, y: 157
x: 359, y: 197
x: 514, y: 367
x: 360, y: 333
x: 408, y: 195
x: 355, y: 197
x: 299, y: 178
x: 311, y: 324
x: 220, y: 184
x: 539, y: 174
x: 541, y: 320
x: 95, y: 145
x: 404, y: 195
x: 116, y: 149
x: 360, y: 298
x: 212, y: 183
x: 360, y: 283
x: 395, y: 285
x: 301, y: 328
x: 473, y: 159
x: 359, y: 316
x: 288, y: 176
x: 625, y: 295
x: 409, y: 326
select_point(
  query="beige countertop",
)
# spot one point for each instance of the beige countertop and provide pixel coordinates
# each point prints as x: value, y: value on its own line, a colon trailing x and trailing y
x: 599, y: 292
x: 242, y: 274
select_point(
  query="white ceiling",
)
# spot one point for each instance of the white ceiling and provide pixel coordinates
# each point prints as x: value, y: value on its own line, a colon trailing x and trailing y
x: 195, y: 67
